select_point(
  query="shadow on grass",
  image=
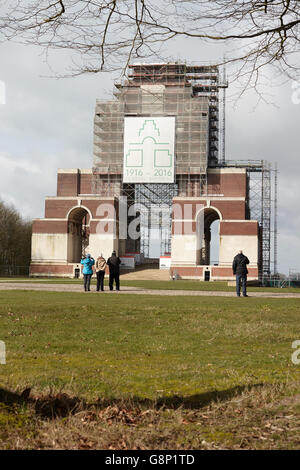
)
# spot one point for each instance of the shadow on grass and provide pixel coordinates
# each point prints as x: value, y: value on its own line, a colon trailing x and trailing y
x: 48, y: 406
x: 204, y: 399
x: 62, y: 404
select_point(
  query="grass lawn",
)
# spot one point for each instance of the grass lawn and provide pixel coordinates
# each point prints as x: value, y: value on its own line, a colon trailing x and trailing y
x: 148, y: 371
x: 159, y: 284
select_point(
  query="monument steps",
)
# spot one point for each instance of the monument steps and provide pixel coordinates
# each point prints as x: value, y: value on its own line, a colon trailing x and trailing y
x: 154, y: 274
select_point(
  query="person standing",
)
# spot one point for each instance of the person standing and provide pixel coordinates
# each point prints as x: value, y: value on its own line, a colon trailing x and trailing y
x: 239, y: 268
x: 114, y: 270
x: 88, y: 263
x: 100, y: 272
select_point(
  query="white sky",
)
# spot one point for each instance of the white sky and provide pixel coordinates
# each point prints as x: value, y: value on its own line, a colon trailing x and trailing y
x: 47, y: 123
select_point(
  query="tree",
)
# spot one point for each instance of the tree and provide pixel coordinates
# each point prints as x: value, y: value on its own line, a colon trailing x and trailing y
x: 15, y: 237
x: 107, y: 34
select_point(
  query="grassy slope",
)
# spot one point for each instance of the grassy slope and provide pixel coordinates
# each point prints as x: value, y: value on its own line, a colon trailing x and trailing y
x: 181, y: 351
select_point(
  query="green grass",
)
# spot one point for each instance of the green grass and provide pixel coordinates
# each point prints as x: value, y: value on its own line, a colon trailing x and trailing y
x: 180, y: 351
x: 220, y: 286
x: 145, y: 346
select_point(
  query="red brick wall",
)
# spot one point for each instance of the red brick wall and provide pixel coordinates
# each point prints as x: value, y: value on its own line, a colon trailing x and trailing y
x: 58, y: 208
x: 51, y: 269
x: 227, y: 272
x: 72, y: 184
x: 216, y: 271
x: 230, y: 185
x: 67, y: 184
x: 230, y: 210
x: 239, y: 228
x: 195, y: 206
x: 49, y: 226
x: 86, y: 184
x: 187, y: 271
x: 93, y: 205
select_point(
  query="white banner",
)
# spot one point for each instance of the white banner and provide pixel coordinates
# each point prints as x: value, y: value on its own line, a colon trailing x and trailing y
x: 149, y: 150
x: 127, y: 262
x: 165, y: 262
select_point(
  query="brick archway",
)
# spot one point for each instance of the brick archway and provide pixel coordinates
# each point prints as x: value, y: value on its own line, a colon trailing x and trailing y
x: 206, y: 217
x: 78, y: 233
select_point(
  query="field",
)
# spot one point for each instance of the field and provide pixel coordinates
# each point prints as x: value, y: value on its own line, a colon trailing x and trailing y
x: 189, y: 285
x: 148, y: 372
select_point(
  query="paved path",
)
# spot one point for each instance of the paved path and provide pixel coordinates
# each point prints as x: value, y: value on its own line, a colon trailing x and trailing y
x: 135, y: 290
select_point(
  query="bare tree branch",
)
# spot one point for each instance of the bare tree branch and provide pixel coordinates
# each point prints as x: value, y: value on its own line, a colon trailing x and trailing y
x: 108, y: 34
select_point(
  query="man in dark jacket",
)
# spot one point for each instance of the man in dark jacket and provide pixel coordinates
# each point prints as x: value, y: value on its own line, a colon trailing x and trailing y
x: 239, y: 268
x: 114, y: 270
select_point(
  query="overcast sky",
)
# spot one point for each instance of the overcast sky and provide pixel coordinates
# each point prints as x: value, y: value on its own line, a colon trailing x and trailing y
x: 47, y: 123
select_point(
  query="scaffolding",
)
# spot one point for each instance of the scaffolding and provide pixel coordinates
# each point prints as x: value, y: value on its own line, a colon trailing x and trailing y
x: 275, y: 232
x: 191, y: 93
x: 153, y: 204
x: 223, y: 84
x: 261, y: 178
x: 188, y: 92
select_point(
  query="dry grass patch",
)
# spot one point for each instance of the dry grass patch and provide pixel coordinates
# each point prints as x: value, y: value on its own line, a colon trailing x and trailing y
x: 259, y: 417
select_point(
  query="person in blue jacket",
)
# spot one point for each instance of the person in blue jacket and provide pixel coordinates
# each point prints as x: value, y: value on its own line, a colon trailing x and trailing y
x: 88, y: 263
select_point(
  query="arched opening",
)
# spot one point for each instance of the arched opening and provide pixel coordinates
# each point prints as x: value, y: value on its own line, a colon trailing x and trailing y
x: 78, y: 234
x: 208, y: 232
x: 214, y: 242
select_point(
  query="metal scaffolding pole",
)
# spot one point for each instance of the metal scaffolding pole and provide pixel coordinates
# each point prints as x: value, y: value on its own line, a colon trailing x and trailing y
x: 259, y: 206
x: 266, y: 220
x: 275, y: 232
x: 222, y: 110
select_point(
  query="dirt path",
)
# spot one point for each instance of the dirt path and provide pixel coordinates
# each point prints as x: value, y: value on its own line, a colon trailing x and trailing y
x: 135, y: 290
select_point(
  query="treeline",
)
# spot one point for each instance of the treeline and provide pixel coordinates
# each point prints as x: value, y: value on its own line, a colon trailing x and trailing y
x: 15, y: 237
